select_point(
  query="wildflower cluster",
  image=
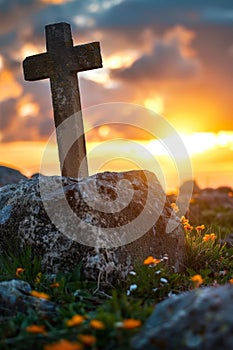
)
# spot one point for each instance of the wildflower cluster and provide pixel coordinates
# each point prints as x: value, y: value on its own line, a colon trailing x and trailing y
x: 198, y: 229
x: 84, y: 320
x: 175, y: 207
x: 152, y: 280
x: 209, y: 237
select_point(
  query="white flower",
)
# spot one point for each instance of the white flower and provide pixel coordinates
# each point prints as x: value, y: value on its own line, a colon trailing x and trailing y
x: 133, y: 287
x: 119, y: 324
x: 163, y: 280
x: 133, y: 273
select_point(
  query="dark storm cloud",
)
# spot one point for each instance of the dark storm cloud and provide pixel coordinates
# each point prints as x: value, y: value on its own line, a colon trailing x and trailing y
x: 139, y: 13
x: 165, y: 62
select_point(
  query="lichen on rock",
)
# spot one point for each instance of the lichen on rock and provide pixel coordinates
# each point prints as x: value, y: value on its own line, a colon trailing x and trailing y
x: 109, y: 221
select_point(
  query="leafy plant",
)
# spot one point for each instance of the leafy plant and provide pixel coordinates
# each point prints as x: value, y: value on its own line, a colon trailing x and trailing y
x: 88, y: 319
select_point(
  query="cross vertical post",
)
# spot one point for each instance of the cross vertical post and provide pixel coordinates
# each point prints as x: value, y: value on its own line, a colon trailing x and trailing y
x: 60, y: 64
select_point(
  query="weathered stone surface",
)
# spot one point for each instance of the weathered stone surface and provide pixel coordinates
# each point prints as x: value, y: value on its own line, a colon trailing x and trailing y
x: 24, y: 221
x: 60, y: 64
x: 10, y: 176
x: 201, y: 319
x: 15, y: 297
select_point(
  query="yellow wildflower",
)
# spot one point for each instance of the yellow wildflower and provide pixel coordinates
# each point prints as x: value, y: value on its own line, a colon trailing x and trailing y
x: 63, y: 344
x: 188, y: 227
x: 36, y: 329
x: 150, y: 260
x: 55, y: 285
x: 209, y: 237
x: 213, y: 236
x: 96, y: 324
x: 76, y: 320
x: 131, y: 323
x: 38, y: 277
x: 231, y: 280
x: 175, y: 207
x: 200, y: 228
x: 197, y: 280
x: 87, y: 339
x: 184, y: 220
x: 19, y: 271
x: 42, y: 295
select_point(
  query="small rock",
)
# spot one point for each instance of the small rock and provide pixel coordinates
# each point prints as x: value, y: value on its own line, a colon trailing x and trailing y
x: 15, y: 297
x: 200, y: 319
x: 10, y: 176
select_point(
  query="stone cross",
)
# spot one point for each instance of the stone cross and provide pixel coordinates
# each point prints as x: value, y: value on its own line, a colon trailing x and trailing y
x: 60, y: 64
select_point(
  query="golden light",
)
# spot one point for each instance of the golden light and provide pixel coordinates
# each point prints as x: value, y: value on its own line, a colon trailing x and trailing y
x: 28, y: 109
x: 1, y: 62
x: 225, y: 139
x: 156, y: 104
x: 56, y: 2
x: 194, y: 143
x: 156, y: 148
x: 112, y: 62
x: 99, y: 77
x: 9, y: 87
x: 199, y: 142
x: 27, y: 50
x: 123, y: 60
x: 104, y: 131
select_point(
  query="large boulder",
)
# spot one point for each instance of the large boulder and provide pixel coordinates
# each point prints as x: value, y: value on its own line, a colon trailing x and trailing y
x: 200, y: 319
x: 109, y: 221
x: 10, y: 176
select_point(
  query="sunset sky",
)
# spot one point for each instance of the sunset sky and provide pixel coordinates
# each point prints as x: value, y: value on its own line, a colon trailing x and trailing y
x: 173, y: 57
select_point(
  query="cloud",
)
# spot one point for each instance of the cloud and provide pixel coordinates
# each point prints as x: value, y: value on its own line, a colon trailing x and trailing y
x: 157, y: 36
x: 9, y: 86
x: 8, y: 113
x: 138, y: 13
x: 218, y: 15
x: 170, y: 59
x: 14, y: 13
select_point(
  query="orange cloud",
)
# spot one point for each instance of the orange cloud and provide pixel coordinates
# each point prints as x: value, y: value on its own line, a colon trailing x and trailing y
x: 26, y: 107
x: 172, y: 58
x: 56, y: 2
x: 9, y: 87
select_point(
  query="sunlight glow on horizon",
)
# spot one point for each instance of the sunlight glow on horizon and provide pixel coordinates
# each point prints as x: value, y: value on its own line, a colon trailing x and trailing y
x: 211, y: 156
x: 1, y: 62
x: 156, y: 104
x: 56, y: 2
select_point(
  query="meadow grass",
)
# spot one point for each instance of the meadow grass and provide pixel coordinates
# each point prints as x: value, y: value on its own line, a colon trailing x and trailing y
x: 88, y: 318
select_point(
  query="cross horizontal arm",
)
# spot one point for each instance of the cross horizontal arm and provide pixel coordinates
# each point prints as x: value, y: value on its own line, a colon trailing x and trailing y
x: 74, y: 59
x: 86, y: 57
x: 37, y: 67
